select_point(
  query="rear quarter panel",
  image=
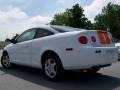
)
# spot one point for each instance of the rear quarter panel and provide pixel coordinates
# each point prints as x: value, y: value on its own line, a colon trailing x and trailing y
x: 57, y: 43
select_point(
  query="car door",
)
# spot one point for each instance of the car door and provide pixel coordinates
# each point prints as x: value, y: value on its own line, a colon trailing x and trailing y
x: 21, y: 50
x: 38, y: 45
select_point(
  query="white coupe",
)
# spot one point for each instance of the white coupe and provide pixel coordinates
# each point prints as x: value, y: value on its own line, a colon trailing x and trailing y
x: 57, y: 48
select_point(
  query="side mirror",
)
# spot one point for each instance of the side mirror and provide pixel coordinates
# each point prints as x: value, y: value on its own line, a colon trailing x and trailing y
x: 13, y: 40
x: 10, y: 40
x: 7, y: 40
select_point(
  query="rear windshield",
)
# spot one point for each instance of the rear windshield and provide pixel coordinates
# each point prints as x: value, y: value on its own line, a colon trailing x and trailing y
x: 62, y: 29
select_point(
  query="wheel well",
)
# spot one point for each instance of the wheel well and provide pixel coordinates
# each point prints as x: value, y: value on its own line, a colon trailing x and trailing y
x: 47, y: 53
x: 5, y: 53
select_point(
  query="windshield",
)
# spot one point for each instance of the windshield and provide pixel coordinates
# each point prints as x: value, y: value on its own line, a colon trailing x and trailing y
x: 62, y: 29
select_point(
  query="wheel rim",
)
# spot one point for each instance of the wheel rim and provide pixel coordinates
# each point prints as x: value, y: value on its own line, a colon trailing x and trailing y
x: 50, y: 68
x: 6, y: 61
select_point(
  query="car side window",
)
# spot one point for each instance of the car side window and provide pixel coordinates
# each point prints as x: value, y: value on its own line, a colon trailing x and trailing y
x: 42, y: 33
x: 27, y: 35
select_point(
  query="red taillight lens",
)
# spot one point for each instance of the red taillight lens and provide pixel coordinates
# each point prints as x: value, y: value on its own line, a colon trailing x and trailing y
x: 83, y: 40
x: 93, y: 38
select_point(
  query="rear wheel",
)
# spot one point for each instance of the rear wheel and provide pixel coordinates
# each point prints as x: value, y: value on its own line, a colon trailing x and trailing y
x: 52, y: 67
x: 5, y: 61
x: 93, y: 70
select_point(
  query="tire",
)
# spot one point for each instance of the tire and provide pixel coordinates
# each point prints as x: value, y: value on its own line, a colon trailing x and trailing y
x: 93, y: 70
x: 52, y: 68
x: 5, y: 61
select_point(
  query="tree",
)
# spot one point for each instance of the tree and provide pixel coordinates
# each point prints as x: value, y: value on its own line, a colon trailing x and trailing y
x: 72, y: 17
x: 109, y: 19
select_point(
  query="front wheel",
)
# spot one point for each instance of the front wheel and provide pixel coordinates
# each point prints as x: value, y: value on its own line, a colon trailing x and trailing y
x: 52, y: 68
x: 5, y: 61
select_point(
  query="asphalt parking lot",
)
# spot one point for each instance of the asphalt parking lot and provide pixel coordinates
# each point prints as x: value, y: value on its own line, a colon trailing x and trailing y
x: 24, y: 78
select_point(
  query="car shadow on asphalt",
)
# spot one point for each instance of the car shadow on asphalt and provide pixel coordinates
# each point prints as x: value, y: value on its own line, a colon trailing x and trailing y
x: 70, y: 81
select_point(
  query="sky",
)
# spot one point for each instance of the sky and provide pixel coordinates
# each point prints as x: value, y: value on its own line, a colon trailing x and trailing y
x: 18, y: 15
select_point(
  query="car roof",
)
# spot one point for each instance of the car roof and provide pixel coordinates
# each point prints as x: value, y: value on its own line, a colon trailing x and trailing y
x: 59, y: 26
x: 52, y: 27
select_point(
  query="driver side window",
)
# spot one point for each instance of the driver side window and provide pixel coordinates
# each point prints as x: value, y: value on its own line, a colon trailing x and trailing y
x: 28, y: 35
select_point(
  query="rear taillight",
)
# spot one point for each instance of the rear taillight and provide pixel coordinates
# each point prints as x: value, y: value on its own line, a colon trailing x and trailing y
x: 83, y: 40
x: 93, y: 38
x: 103, y: 37
x: 107, y: 38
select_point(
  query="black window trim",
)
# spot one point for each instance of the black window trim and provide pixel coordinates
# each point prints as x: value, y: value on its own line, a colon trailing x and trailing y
x: 42, y: 29
x: 25, y: 32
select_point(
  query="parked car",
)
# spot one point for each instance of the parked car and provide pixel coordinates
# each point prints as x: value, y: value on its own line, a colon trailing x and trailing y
x: 118, y: 46
x: 57, y: 48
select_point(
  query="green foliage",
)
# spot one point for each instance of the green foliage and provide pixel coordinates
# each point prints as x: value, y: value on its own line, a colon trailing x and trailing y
x: 109, y: 19
x: 72, y: 17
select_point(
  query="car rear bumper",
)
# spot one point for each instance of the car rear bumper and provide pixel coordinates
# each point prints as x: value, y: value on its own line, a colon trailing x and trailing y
x: 88, y: 57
